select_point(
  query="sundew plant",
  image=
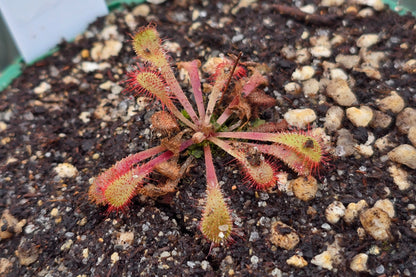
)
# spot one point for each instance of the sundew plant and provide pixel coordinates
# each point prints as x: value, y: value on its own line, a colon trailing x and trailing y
x: 222, y: 120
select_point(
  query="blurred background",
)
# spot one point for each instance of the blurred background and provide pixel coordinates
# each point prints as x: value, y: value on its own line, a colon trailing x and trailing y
x: 9, y: 53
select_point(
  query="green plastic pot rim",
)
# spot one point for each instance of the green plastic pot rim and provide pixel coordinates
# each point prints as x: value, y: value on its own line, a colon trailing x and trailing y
x: 15, y: 69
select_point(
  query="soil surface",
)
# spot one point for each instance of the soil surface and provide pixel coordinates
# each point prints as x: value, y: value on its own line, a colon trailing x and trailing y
x: 65, y: 120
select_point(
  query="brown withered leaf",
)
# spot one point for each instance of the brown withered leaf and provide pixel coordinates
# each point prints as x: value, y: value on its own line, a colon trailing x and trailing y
x: 169, y: 169
x: 164, y: 123
x: 261, y: 99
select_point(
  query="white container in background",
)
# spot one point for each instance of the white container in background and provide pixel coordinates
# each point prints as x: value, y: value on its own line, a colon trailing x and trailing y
x: 39, y: 25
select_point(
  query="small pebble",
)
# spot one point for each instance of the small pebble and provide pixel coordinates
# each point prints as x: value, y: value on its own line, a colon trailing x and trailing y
x: 3, y: 126
x: 393, y: 102
x: 141, y: 10
x: 332, y: 3
x: 54, y: 212
x: 293, y: 88
x: 404, y: 154
x: 333, y: 118
x: 345, y: 143
x: 125, y: 238
x: 304, y: 188
x: 321, y: 51
x: 84, y: 117
x: 254, y: 259
x: 310, y: 9
x: 380, y: 120
x: 107, y: 85
x: 109, y: 32
x: 367, y: 40
x: 334, y: 212
x: 85, y: 253
x: 326, y: 226
x: 360, y: 117
x: 386, y: 205
x: 310, y: 87
x: 304, y: 73
x: 297, y: 261
x: 376, y: 223
x: 70, y: 79
x: 366, y: 12
x: 27, y: 252
x: 9, y: 225
x: 300, y: 118
x: 67, y: 245
x: 380, y: 269
x: 339, y: 90
x: 164, y: 254
x: 303, y: 56
x: 205, y: 265
x: 114, y: 258
x: 359, y: 263
x: 348, y: 61
x: 372, y: 58
x: 365, y: 150
x: 378, y: 5
x: 283, y: 235
x: 92, y: 66
x: 371, y: 72
x: 374, y: 250
x: 338, y: 73
x: 5, y: 266
x: 410, y: 66
x: 66, y: 170
x: 323, y: 260
x: 130, y: 21
x: 412, y: 135
x: 353, y: 209
x: 42, y: 88
x: 406, y: 119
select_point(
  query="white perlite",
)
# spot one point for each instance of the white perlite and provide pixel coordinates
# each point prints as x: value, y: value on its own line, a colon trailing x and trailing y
x: 333, y: 118
x: 400, y: 177
x: 386, y: 205
x: 360, y: 117
x: 359, y: 263
x: 332, y: 3
x: 310, y: 87
x: 300, y: 117
x: 331, y: 257
x: 339, y: 90
x: 406, y: 119
x: 304, y: 188
x: 334, y: 212
x: 304, y: 73
x: 367, y: 40
x: 66, y: 170
x: 393, y: 102
x: 404, y: 154
x: 353, y: 209
x: 376, y: 223
x: 297, y: 261
x: 285, y: 240
x: 348, y: 61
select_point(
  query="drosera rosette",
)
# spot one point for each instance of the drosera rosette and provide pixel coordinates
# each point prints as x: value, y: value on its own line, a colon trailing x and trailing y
x: 223, y: 120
